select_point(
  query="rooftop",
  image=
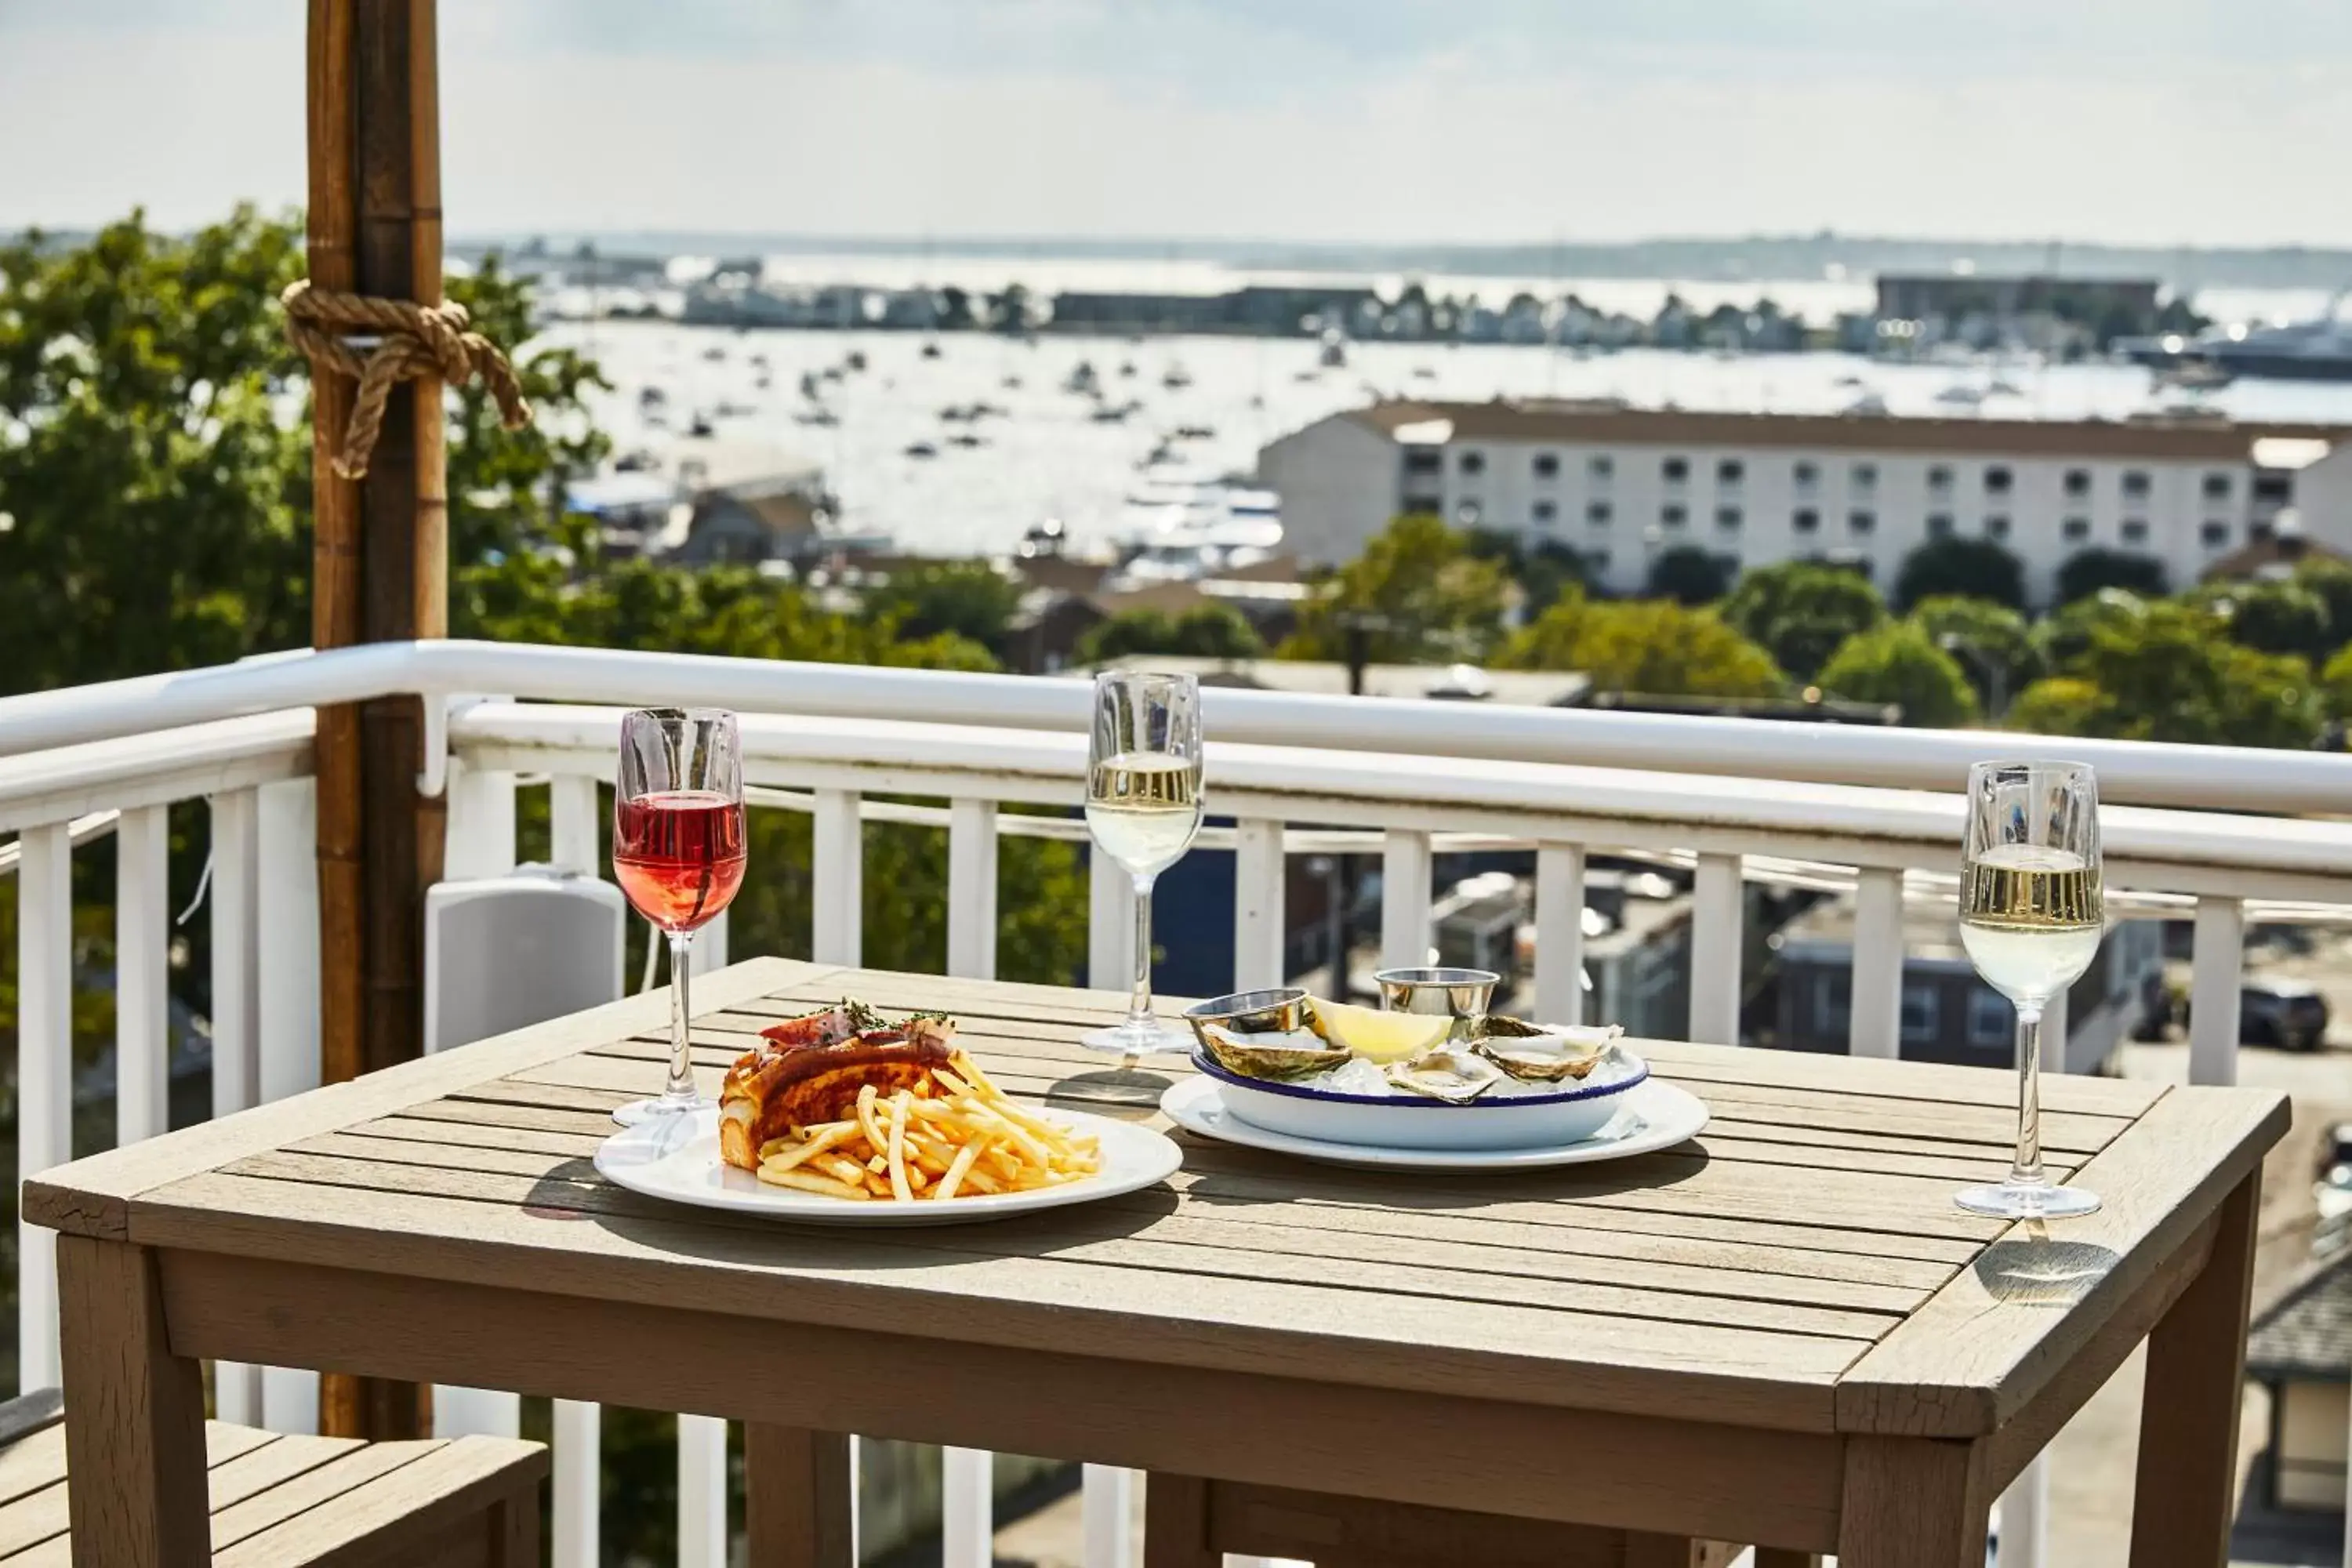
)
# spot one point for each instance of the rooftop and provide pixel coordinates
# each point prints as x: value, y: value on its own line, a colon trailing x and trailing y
x: 1609, y: 423
x: 2307, y: 1333
x: 1524, y: 688
x: 1824, y: 933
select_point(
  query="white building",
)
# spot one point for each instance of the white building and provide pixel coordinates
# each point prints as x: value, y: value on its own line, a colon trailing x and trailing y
x: 1621, y: 485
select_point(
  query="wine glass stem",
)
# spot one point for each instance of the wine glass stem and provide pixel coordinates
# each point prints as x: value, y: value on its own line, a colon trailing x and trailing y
x: 1139, y: 1013
x: 681, y: 1059
x: 2027, y: 1171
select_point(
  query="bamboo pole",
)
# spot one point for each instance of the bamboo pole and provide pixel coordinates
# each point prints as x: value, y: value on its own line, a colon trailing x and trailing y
x: 372, y: 954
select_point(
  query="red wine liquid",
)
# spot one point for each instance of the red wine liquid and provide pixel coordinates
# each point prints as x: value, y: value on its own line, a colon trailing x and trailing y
x: 678, y: 855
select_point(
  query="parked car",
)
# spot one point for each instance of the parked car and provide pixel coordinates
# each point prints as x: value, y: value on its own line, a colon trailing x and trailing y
x: 2274, y: 1010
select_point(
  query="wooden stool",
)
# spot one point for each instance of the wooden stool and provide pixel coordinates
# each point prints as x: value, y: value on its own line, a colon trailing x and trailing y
x: 302, y: 1502
x: 1189, y: 1522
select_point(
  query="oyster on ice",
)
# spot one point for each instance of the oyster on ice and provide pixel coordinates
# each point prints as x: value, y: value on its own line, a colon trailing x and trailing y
x: 1540, y: 1053
x: 1446, y: 1072
x: 1271, y: 1054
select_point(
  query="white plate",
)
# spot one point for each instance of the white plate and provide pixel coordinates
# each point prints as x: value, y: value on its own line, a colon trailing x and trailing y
x: 676, y: 1157
x: 1550, y: 1118
x: 1652, y: 1116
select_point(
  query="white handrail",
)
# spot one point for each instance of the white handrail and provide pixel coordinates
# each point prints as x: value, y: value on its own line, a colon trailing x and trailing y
x: 2222, y: 777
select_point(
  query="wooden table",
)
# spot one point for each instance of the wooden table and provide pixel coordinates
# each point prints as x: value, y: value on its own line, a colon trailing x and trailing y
x: 1782, y: 1333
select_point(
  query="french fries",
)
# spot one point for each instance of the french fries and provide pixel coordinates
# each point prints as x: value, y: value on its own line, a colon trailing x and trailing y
x: 956, y: 1134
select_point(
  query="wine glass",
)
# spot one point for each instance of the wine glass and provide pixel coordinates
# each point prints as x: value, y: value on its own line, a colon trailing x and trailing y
x: 2031, y: 916
x: 1143, y: 807
x: 677, y: 854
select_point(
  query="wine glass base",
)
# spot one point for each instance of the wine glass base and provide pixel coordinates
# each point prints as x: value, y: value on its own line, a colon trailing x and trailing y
x: 660, y: 1105
x: 2027, y: 1200
x: 1138, y: 1040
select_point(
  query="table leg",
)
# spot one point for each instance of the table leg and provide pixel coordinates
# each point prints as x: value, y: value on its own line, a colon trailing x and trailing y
x: 1913, y: 1502
x: 134, y: 1416
x: 2186, y: 1491
x: 1781, y: 1557
x: 797, y: 1507
x: 1176, y: 1522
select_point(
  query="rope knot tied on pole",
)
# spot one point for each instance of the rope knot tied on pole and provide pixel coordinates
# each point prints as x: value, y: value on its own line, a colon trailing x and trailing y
x: 412, y: 340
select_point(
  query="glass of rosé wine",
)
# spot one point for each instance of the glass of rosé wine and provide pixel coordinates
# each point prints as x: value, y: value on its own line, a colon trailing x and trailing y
x: 677, y: 854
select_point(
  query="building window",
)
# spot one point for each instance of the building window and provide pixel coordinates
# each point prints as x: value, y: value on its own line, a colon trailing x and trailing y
x: 2136, y: 482
x: 2135, y: 531
x: 1993, y: 1022
x: 2075, y: 528
x: 1544, y: 511
x: 1546, y: 466
x: 1730, y: 471
x: 1997, y: 527
x: 1833, y: 1004
x: 1726, y: 517
x: 1997, y: 481
x: 1805, y: 520
x: 1467, y: 513
x: 1807, y: 475
x: 1424, y: 506
x: 1597, y: 513
x: 1675, y: 470
x: 2279, y: 487
x: 2078, y: 481
x: 1866, y: 476
x: 1860, y: 522
x: 1939, y: 479
x: 1601, y: 468
x: 2214, y: 535
x: 1597, y: 559
x: 1473, y: 463
x: 1672, y: 516
x: 1940, y: 525
x: 1922, y: 1009
x: 1423, y: 459
x: 2217, y: 487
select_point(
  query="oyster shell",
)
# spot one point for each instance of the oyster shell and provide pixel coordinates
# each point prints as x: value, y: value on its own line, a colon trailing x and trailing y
x: 1537, y: 1053
x: 1446, y: 1072
x: 1271, y: 1054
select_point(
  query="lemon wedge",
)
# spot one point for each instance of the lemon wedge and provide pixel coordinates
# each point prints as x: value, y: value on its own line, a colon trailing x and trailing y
x: 1380, y: 1036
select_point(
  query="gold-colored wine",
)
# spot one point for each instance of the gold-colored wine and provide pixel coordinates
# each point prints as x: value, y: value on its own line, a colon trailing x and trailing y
x: 1144, y: 807
x: 2031, y: 917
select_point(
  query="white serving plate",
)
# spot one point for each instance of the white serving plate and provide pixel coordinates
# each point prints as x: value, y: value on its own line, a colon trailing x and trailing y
x: 1417, y: 1121
x: 676, y: 1157
x: 1648, y: 1115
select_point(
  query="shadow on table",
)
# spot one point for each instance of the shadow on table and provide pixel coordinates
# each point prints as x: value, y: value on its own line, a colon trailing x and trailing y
x: 1129, y: 1094
x: 2037, y: 1271
x: 1226, y: 1173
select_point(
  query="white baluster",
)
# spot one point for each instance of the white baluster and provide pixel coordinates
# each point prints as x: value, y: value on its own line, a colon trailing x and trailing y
x: 1111, y: 924
x: 236, y: 1019
x: 2025, y: 1517
x: 2216, y: 973
x: 480, y: 841
x: 972, y: 888
x: 1560, y: 933
x: 839, y: 862
x: 1874, y: 1020
x: 1404, y: 899
x: 579, y: 1455
x: 967, y: 1509
x: 1716, y: 918
x: 573, y: 844
x: 708, y: 953
x: 286, y: 909
x: 43, y: 1078
x: 1106, y: 1517
x: 701, y: 1492
x: 1258, y: 872
x: 142, y: 964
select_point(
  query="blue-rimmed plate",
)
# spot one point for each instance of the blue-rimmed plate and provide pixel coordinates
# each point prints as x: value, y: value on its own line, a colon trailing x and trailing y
x: 1648, y: 1117
x: 1416, y: 1122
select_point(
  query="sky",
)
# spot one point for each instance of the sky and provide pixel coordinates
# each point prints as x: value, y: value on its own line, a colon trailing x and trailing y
x: 2157, y: 122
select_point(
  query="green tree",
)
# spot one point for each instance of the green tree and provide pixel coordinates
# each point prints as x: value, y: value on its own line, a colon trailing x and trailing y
x: 1654, y: 647
x: 2162, y: 675
x: 1900, y: 663
x: 1968, y: 568
x: 2332, y: 581
x: 968, y: 599
x: 1543, y: 569
x: 1799, y: 611
x: 1204, y: 631
x: 2087, y: 571
x: 1992, y: 644
x: 2282, y: 616
x: 2336, y: 685
x: 1691, y: 575
x: 1417, y: 591
x: 2060, y: 705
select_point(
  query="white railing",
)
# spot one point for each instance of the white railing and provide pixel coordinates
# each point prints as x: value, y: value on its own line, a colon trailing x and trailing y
x: 1734, y: 800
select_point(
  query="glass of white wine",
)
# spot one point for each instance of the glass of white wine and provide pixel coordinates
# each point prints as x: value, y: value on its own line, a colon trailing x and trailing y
x: 1143, y: 808
x: 2032, y: 914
